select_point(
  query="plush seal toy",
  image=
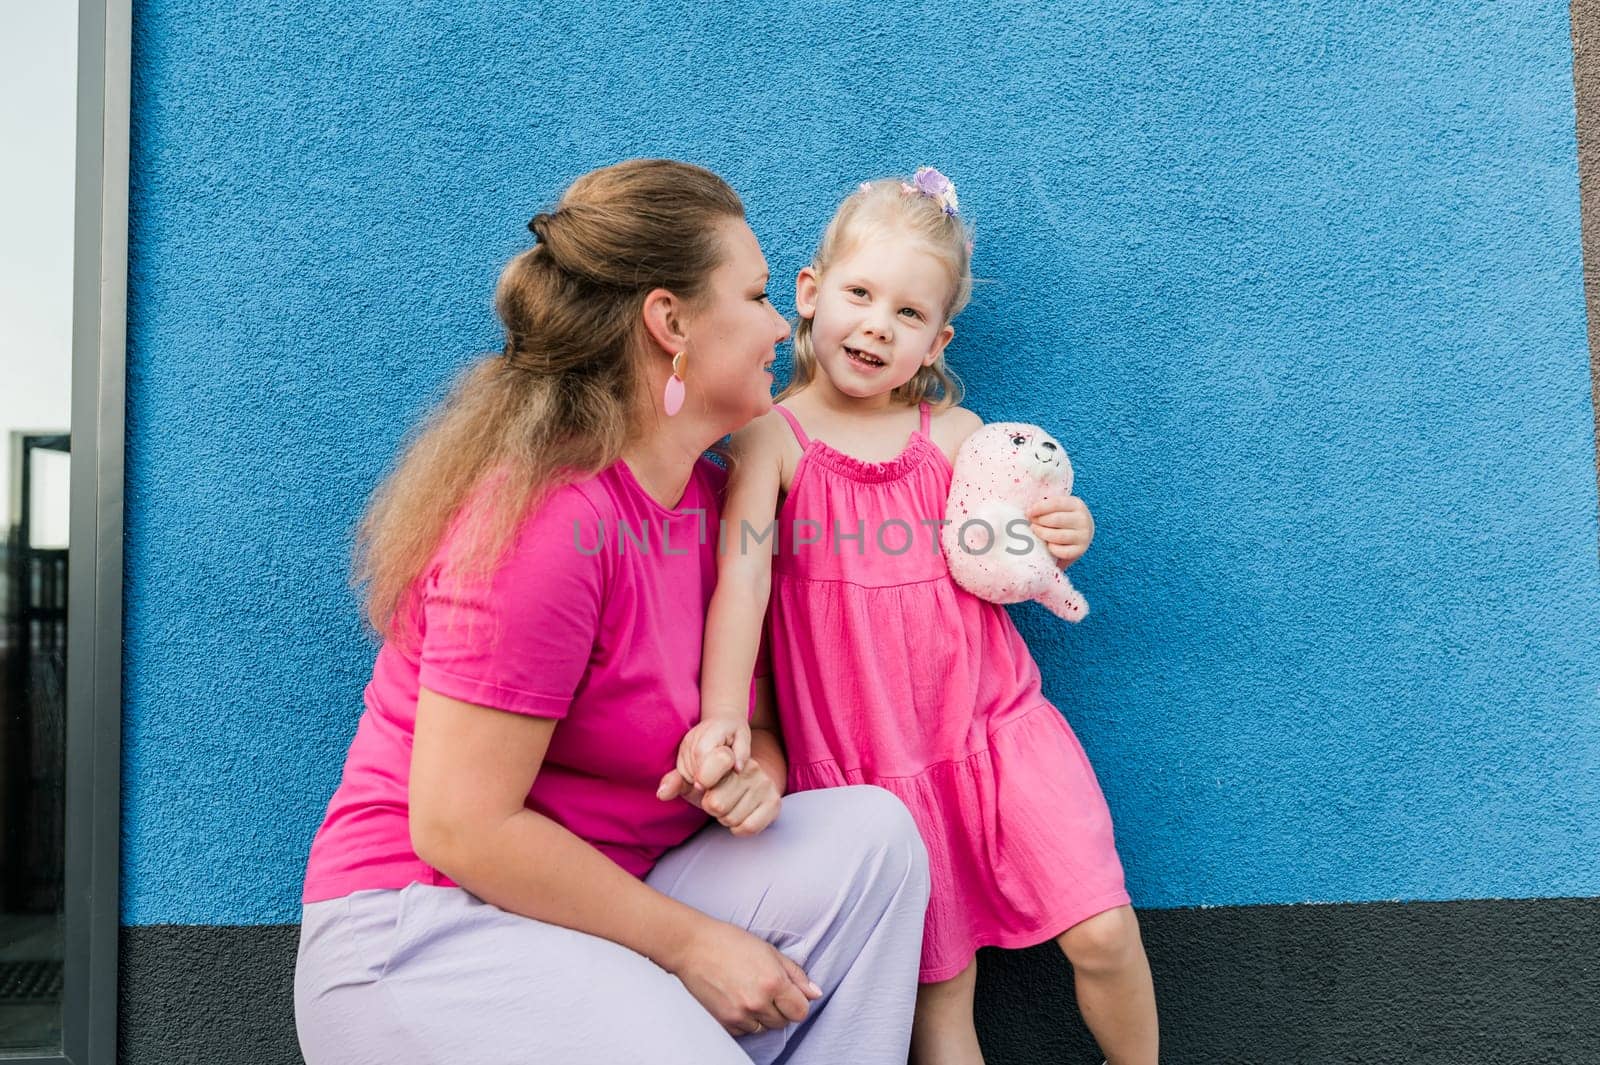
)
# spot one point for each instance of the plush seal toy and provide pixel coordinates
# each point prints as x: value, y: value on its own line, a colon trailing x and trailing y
x: 1000, y: 471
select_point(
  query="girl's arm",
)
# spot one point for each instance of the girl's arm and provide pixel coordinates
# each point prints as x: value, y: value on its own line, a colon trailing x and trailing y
x: 471, y: 770
x: 744, y: 572
x: 738, y: 606
x: 951, y: 429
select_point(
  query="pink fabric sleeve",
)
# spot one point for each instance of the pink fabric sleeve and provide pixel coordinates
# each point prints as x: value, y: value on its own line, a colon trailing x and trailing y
x: 520, y: 640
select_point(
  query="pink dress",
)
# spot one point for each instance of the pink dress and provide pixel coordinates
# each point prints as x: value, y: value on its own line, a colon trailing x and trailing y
x: 887, y: 673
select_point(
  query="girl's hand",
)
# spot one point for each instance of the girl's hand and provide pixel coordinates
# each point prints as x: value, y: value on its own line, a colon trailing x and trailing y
x: 743, y: 801
x: 1064, y: 526
x: 742, y: 980
x: 712, y: 733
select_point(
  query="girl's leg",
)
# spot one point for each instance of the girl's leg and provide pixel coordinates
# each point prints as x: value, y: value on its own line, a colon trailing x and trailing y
x: 1115, y: 992
x: 435, y: 976
x: 839, y: 883
x: 943, y: 1032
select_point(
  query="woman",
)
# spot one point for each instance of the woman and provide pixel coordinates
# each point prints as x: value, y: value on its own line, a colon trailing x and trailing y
x: 504, y: 873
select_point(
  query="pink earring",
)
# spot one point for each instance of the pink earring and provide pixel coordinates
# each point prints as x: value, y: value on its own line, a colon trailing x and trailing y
x: 672, y: 399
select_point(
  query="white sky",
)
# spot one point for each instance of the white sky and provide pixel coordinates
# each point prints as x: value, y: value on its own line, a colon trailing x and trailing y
x: 38, y: 113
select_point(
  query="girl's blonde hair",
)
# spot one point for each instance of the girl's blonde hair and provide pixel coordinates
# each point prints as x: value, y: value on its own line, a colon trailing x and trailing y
x: 892, y: 205
x: 560, y: 403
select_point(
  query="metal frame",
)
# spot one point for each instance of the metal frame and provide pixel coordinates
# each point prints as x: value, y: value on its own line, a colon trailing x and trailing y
x: 91, y: 918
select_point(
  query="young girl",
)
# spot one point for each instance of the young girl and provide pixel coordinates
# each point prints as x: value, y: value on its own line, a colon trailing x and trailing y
x: 887, y: 673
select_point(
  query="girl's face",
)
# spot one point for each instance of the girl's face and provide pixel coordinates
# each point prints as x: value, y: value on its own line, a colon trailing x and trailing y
x: 732, y: 334
x: 877, y: 314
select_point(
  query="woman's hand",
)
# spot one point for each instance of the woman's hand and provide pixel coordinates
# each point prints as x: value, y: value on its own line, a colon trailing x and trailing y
x: 744, y: 801
x: 742, y: 980
x: 1064, y: 526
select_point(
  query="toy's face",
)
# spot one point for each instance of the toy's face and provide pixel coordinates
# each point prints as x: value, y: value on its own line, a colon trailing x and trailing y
x: 1031, y: 449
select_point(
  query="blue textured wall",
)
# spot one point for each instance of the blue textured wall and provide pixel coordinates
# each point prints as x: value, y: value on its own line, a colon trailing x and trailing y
x: 1299, y: 289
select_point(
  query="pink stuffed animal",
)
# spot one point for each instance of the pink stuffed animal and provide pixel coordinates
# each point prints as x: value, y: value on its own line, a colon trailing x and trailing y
x: 999, y: 473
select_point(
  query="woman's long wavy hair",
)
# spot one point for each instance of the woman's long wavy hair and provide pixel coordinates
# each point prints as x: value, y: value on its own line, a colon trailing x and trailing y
x: 884, y: 206
x: 560, y: 403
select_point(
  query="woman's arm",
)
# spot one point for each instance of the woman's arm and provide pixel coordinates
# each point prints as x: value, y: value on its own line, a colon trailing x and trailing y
x: 471, y: 770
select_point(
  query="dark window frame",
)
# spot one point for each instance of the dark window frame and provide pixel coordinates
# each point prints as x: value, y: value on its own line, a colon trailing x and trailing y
x: 91, y: 913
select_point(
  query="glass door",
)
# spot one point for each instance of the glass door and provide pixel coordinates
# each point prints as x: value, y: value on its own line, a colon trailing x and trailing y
x: 63, y: 271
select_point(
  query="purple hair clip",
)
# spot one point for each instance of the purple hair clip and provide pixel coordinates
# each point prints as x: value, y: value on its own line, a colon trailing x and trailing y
x: 930, y: 183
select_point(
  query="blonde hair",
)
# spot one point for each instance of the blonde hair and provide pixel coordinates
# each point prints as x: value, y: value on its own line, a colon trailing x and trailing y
x: 882, y: 205
x: 560, y: 403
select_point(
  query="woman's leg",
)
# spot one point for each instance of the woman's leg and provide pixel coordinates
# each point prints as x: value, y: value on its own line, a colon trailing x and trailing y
x: 435, y: 976
x: 839, y: 883
x: 943, y: 1032
x: 1115, y: 992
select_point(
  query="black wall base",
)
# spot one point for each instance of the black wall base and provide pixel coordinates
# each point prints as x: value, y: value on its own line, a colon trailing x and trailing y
x: 193, y: 994
x: 1439, y: 983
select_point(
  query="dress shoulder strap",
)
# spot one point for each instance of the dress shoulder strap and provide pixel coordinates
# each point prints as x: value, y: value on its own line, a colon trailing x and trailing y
x: 923, y: 406
x: 794, y: 423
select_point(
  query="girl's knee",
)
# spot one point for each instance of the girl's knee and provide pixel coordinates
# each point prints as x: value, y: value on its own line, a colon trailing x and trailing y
x: 1105, y: 941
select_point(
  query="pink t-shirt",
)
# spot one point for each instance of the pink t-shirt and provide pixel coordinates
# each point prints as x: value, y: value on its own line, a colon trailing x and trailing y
x: 594, y: 617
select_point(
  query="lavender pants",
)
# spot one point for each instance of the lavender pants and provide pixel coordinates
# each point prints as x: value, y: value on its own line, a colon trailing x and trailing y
x: 435, y: 975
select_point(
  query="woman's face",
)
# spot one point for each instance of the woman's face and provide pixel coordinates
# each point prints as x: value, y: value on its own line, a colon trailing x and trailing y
x: 733, y: 333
